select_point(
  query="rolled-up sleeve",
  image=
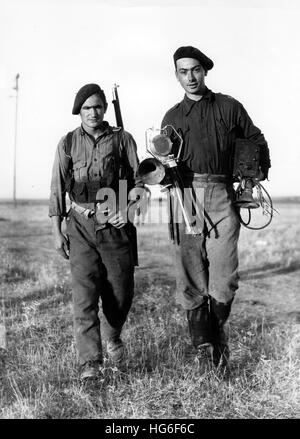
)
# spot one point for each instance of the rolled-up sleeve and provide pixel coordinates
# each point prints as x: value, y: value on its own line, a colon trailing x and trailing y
x: 57, y: 205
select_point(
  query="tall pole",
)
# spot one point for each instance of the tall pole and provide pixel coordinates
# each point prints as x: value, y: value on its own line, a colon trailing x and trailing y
x: 15, y: 144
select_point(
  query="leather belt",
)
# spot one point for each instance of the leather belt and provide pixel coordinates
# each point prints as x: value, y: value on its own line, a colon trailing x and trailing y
x: 206, y: 178
x: 86, y: 209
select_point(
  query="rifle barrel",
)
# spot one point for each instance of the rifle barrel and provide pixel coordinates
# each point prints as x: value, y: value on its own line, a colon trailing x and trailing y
x: 116, y: 103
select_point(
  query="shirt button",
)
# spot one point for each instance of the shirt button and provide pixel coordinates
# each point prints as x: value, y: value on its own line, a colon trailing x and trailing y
x: 95, y: 160
x: 95, y: 175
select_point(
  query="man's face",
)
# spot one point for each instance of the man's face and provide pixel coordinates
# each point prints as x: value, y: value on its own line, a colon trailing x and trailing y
x: 191, y: 75
x: 92, y: 112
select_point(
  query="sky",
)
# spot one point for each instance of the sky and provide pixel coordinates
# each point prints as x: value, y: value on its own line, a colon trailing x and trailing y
x: 59, y: 45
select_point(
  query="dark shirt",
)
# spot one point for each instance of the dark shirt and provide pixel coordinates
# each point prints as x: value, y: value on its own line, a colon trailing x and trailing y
x: 90, y: 157
x: 209, y: 128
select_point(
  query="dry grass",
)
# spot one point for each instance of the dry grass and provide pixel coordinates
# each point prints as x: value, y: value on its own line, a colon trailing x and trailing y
x: 161, y: 377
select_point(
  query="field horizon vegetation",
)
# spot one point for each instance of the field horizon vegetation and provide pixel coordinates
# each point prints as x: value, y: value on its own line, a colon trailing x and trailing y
x: 161, y: 377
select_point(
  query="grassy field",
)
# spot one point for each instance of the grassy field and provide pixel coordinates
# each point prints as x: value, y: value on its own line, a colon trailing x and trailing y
x: 162, y: 377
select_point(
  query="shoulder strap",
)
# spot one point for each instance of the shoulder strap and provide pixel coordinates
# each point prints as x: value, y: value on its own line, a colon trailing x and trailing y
x: 67, y: 148
x: 68, y: 143
x: 116, y: 146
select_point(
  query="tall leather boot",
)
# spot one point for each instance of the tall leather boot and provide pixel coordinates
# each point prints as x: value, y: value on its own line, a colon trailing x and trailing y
x: 199, y: 328
x: 219, y: 313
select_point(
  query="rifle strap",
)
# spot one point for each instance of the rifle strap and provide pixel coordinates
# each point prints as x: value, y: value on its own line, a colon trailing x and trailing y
x: 68, y: 143
x: 116, y: 148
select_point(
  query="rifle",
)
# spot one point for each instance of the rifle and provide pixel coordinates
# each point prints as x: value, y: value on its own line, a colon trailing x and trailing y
x: 117, y: 107
x: 130, y: 228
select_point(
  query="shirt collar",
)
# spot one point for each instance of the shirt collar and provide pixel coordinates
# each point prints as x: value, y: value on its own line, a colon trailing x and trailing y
x: 188, y: 103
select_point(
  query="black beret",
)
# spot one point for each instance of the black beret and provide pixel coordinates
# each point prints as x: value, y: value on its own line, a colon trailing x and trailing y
x: 192, y: 52
x: 84, y: 93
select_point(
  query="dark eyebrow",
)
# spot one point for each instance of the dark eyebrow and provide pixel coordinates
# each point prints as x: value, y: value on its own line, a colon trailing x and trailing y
x: 86, y: 107
x: 182, y: 69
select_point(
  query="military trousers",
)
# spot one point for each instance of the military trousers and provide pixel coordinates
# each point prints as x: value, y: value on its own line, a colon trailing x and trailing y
x: 207, y: 264
x: 102, y: 271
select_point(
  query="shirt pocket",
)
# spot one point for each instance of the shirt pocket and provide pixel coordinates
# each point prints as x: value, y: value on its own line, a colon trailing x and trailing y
x: 80, y: 170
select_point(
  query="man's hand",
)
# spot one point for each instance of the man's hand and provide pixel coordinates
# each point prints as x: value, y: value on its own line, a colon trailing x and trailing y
x: 62, y: 245
x: 61, y: 242
x: 261, y: 176
x: 118, y: 220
